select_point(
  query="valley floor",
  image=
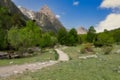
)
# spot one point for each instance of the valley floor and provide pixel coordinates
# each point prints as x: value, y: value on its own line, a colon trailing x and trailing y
x: 19, y: 69
x: 102, y: 67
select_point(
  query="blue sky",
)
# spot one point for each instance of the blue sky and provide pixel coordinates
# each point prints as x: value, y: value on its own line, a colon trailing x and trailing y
x: 73, y: 13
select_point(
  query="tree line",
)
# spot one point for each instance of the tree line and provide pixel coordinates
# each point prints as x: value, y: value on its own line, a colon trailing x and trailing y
x: 105, y: 38
x: 17, y: 35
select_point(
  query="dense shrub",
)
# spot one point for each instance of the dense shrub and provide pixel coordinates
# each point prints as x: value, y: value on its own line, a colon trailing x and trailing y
x: 107, y: 49
x: 87, y: 48
x: 3, y: 39
x: 21, y: 39
x: 82, y: 38
x: 104, y: 39
x: 25, y: 37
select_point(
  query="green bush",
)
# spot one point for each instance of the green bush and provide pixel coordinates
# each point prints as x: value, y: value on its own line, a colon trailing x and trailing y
x: 107, y: 49
x: 3, y: 40
x: 104, y: 39
x: 87, y: 48
x: 56, y: 55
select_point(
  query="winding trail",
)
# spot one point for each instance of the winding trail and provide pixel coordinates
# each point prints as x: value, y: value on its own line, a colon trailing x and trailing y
x: 62, y: 56
x: 19, y: 69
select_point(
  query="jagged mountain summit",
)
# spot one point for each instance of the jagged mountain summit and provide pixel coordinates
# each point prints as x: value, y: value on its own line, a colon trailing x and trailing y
x: 82, y: 30
x: 45, y: 18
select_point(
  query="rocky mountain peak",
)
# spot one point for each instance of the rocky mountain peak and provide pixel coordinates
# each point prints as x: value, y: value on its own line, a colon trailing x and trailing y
x: 82, y: 30
x: 45, y: 18
x: 47, y: 11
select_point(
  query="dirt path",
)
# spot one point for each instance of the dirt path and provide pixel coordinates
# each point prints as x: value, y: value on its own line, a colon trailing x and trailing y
x: 19, y: 69
x: 62, y: 55
x: 16, y: 69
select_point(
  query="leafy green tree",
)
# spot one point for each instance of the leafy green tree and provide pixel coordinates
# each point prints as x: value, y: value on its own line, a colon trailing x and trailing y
x: 79, y: 39
x: 45, y: 40
x: 72, y: 37
x: 116, y: 35
x: 7, y: 20
x: 14, y: 37
x: 16, y: 20
x: 91, y: 34
x: 62, y: 36
x: 3, y: 40
x: 31, y: 34
x: 5, y: 17
x: 28, y: 36
x: 83, y: 38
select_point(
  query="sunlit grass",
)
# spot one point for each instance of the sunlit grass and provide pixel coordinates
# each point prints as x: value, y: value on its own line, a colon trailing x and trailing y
x: 104, y: 68
x: 45, y: 56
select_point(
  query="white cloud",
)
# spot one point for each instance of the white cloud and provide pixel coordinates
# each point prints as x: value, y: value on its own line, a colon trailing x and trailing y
x: 111, y: 22
x: 76, y: 3
x: 110, y: 4
x: 58, y: 16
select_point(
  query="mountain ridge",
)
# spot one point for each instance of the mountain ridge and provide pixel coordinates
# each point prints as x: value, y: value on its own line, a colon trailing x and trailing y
x: 45, y: 18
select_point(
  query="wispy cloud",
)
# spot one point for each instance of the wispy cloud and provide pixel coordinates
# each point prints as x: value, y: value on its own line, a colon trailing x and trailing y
x: 76, y: 3
x: 58, y: 16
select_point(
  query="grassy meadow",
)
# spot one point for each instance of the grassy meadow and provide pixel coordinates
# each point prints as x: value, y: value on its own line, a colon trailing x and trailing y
x: 46, y: 55
x: 105, y: 67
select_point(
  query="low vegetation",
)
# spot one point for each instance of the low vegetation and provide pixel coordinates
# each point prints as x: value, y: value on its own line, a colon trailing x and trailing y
x: 46, y: 55
x: 105, y: 67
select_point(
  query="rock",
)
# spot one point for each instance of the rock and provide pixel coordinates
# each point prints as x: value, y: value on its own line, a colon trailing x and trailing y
x: 119, y: 71
x: 3, y: 55
x: 33, y: 49
x: 117, y: 51
x: 11, y: 62
x: 15, y: 72
x: 89, y: 56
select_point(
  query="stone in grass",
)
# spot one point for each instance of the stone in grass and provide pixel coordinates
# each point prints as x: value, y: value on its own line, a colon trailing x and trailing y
x: 89, y: 56
x: 118, y: 71
x: 11, y: 62
x: 117, y: 51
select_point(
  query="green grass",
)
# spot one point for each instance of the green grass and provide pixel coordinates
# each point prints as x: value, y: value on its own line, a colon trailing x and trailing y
x: 105, y: 67
x: 45, y: 56
x: 73, y: 51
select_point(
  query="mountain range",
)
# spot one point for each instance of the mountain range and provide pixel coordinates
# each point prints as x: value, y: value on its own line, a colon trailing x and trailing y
x: 45, y: 18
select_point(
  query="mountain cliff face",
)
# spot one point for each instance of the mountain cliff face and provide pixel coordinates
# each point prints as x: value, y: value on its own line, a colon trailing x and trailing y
x: 12, y: 8
x: 10, y: 15
x: 29, y: 13
x: 82, y: 30
x: 45, y: 18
